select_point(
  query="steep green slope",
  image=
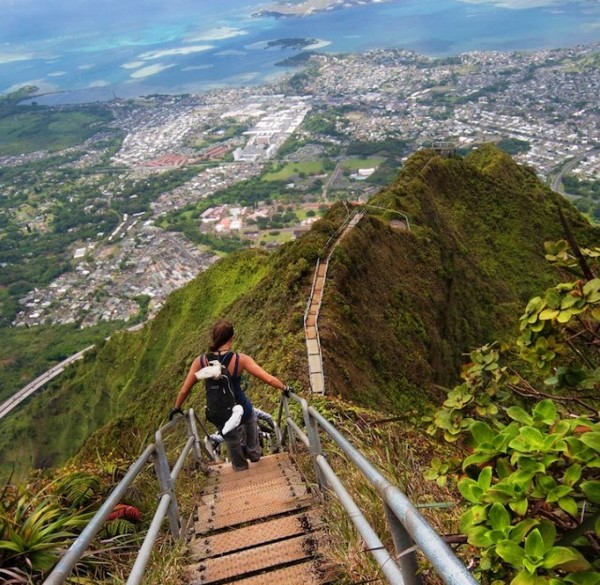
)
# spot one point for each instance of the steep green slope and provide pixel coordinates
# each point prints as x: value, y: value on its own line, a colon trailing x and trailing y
x: 400, y: 308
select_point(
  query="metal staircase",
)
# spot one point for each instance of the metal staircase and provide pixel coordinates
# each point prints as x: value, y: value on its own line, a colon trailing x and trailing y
x: 255, y: 527
x: 313, y: 306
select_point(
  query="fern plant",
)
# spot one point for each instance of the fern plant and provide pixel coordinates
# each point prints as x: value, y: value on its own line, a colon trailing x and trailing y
x: 78, y: 489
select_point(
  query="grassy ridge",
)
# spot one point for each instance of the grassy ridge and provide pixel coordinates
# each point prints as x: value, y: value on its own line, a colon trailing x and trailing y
x: 133, y: 377
x: 402, y: 307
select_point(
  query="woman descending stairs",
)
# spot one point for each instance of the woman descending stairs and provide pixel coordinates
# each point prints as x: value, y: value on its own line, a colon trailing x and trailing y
x: 256, y: 527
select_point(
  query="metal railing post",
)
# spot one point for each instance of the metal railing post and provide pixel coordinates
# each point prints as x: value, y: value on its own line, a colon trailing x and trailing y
x: 167, y: 485
x: 402, y: 542
x: 192, y: 431
x: 291, y: 435
x: 312, y: 430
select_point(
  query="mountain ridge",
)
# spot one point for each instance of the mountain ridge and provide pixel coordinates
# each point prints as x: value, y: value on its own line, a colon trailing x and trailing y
x: 400, y: 308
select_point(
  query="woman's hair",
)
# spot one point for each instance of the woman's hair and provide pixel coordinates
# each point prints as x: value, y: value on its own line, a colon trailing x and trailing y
x: 222, y: 332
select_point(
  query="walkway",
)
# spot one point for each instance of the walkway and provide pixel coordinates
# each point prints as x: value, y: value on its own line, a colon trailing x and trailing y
x: 311, y: 316
x: 255, y: 527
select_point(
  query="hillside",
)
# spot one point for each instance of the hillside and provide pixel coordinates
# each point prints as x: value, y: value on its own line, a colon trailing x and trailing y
x: 400, y: 308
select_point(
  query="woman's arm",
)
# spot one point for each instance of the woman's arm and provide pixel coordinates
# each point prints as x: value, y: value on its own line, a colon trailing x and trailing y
x: 250, y: 366
x: 189, y: 381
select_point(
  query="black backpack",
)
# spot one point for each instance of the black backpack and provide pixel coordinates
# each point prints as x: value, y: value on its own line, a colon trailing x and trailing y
x: 220, y: 395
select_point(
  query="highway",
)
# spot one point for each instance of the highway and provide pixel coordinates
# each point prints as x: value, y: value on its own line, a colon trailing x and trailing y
x: 40, y: 381
x: 556, y: 180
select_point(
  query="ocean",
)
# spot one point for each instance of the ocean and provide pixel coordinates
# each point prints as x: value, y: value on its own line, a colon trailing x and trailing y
x: 95, y: 50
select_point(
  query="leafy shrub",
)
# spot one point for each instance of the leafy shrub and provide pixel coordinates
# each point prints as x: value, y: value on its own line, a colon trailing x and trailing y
x: 531, y: 481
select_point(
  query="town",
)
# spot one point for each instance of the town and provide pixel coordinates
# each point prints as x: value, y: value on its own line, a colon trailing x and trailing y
x: 297, y: 138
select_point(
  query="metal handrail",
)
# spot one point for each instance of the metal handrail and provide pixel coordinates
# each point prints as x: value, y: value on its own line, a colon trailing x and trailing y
x: 405, y: 523
x: 167, y: 505
x: 407, y: 526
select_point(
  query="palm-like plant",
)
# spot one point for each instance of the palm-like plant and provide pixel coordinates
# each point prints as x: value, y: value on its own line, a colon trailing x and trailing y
x: 34, y: 530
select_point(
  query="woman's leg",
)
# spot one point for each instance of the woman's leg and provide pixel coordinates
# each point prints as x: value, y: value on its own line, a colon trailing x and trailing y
x: 252, y: 447
x: 233, y: 440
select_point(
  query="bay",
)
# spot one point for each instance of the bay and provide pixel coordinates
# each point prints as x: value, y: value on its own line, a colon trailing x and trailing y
x: 126, y: 48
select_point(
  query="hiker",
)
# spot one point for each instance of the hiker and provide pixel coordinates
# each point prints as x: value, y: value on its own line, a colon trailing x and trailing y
x: 243, y: 441
x: 266, y: 426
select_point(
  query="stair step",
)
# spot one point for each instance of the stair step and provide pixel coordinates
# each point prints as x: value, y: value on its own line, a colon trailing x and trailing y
x: 252, y: 561
x: 249, y: 536
x: 302, y: 574
x: 269, y: 487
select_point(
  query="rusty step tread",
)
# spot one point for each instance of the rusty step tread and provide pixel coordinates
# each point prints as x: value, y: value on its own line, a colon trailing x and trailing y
x: 302, y: 574
x: 252, y: 560
x: 243, y: 494
x: 242, y: 512
x: 267, y: 462
x: 249, y: 479
x: 255, y: 534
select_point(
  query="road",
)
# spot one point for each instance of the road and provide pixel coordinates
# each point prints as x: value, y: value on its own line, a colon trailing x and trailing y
x: 40, y: 381
x: 556, y: 182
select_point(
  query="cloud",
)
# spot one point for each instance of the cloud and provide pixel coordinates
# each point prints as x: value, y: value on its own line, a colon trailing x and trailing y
x: 149, y: 71
x: 57, y: 74
x: 517, y: 4
x: 178, y: 51
x: 216, y: 34
x: 132, y: 65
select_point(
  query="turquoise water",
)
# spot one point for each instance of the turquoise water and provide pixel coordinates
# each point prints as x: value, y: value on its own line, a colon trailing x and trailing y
x: 135, y: 47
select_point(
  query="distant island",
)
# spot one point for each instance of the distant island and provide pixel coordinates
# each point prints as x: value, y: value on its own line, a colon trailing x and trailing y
x: 292, y: 43
x: 295, y: 8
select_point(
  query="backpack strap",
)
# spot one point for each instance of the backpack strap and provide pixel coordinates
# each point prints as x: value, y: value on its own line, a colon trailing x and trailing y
x: 237, y: 363
x: 227, y: 360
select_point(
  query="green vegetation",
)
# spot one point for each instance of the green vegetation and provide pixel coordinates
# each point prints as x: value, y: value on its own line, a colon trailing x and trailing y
x: 472, y: 258
x: 587, y: 192
x: 298, y: 60
x: 230, y: 129
x: 401, y: 309
x: 40, y: 129
x: 326, y: 122
x: 513, y: 145
x: 40, y: 225
x: 136, y: 196
x: 9, y: 103
x: 354, y: 164
x: 26, y: 353
x: 40, y: 519
x: 509, y: 145
x: 531, y: 482
x: 295, y: 169
x: 389, y: 148
x: 291, y: 43
x: 249, y: 192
